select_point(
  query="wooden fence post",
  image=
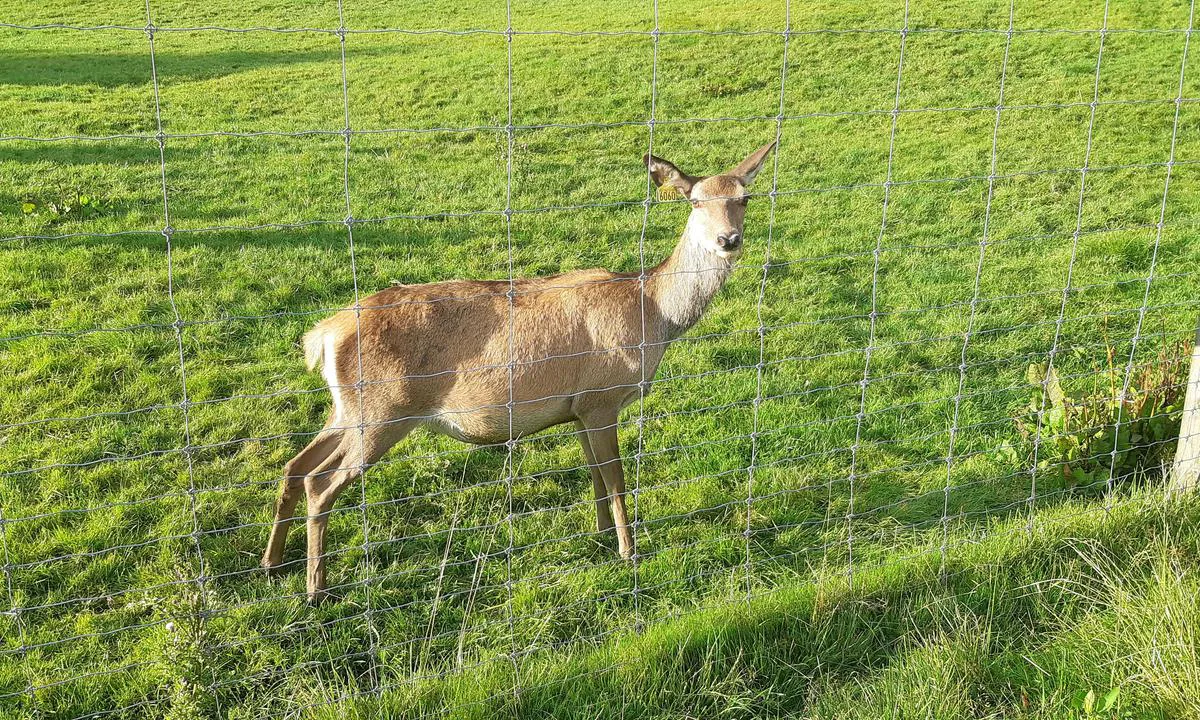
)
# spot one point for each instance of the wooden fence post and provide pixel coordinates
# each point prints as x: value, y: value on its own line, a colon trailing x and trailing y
x: 1185, y: 470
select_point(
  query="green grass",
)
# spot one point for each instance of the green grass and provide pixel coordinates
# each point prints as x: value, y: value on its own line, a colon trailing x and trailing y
x: 104, y: 538
x: 1018, y: 625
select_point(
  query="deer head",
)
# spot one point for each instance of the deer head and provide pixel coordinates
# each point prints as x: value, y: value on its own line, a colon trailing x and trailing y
x: 718, y: 202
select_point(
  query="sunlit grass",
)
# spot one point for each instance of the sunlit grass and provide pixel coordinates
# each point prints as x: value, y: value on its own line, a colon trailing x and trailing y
x: 114, y: 506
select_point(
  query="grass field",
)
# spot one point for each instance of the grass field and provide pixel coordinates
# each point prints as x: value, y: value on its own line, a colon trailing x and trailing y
x: 133, y: 521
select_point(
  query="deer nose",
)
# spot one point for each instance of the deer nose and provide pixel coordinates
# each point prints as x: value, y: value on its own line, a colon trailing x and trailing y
x: 729, y: 241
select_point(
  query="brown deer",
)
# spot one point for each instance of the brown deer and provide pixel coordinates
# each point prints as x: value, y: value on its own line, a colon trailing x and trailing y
x: 448, y: 356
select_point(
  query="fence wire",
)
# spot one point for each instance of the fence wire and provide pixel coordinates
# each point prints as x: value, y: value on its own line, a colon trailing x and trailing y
x: 810, y: 464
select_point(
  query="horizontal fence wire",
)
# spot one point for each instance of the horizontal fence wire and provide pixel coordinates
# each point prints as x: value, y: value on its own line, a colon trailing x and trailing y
x: 504, y: 212
x: 520, y: 127
x: 501, y: 32
x: 806, y: 441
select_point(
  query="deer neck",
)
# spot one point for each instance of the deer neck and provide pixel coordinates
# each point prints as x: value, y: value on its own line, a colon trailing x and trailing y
x: 682, y: 285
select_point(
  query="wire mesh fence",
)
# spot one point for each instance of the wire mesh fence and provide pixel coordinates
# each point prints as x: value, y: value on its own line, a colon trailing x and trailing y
x: 966, y: 298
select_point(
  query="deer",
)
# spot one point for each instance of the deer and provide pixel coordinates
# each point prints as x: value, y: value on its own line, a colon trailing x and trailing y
x: 487, y: 362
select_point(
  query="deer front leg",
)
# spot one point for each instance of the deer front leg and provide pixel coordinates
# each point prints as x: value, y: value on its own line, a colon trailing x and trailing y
x: 604, y: 519
x: 602, y: 437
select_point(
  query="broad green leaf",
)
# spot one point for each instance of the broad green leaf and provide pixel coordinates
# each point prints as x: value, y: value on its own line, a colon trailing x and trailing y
x: 1109, y: 699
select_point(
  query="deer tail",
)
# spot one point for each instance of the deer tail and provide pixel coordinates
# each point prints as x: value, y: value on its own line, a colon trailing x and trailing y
x: 314, y: 346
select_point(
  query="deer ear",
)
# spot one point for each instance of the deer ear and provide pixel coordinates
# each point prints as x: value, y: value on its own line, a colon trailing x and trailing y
x: 748, y: 168
x: 664, y: 173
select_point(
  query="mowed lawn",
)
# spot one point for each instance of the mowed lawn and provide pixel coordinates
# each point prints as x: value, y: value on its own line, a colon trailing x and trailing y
x: 150, y: 395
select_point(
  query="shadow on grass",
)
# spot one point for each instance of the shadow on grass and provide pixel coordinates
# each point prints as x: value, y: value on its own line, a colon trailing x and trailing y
x: 113, y: 70
x: 1004, y: 598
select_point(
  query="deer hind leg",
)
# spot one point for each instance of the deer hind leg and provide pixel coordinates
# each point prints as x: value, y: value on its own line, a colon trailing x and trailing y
x: 290, y: 489
x: 604, y: 519
x: 343, y: 466
x: 602, y: 438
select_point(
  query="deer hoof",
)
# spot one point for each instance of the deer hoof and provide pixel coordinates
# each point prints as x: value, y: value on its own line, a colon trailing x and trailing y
x: 320, y: 597
x: 273, y: 571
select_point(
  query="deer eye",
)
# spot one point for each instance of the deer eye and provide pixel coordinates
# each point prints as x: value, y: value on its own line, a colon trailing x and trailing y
x: 695, y: 204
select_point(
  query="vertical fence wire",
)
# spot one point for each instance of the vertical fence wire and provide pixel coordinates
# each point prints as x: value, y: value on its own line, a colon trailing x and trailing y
x: 758, y: 305
x: 1162, y: 215
x: 14, y: 611
x: 973, y: 308
x: 373, y: 669
x: 201, y: 580
x: 510, y: 444
x: 639, y: 454
x: 1055, y: 344
x: 874, y: 315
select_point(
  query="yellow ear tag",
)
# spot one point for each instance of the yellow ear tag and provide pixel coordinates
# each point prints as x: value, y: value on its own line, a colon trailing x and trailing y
x: 668, y: 192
